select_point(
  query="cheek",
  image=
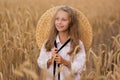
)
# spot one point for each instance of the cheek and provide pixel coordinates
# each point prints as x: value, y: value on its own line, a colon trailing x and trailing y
x: 55, y: 23
x: 67, y: 24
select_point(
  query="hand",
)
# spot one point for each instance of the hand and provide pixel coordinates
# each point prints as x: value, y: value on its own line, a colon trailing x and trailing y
x: 59, y: 59
x: 54, y: 50
x: 54, y: 53
x: 50, y: 61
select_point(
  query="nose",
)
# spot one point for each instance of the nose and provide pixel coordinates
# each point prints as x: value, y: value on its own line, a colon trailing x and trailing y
x: 59, y: 21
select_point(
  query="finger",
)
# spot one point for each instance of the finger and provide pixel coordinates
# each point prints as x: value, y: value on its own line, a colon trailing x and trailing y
x: 58, y: 59
x: 55, y: 49
x: 54, y: 52
x: 58, y: 55
x: 58, y: 62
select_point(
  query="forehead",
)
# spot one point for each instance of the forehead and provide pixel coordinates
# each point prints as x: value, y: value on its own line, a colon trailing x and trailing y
x: 62, y: 13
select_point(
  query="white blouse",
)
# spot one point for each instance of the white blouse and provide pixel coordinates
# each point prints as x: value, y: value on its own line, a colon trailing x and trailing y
x: 77, y: 64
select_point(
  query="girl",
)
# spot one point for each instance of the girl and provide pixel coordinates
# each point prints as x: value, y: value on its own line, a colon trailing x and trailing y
x: 64, y: 33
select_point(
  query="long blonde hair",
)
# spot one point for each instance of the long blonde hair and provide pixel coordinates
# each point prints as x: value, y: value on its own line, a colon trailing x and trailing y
x: 73, y: 30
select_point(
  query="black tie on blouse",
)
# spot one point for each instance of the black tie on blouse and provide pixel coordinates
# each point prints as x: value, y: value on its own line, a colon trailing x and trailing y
x: 54, y: 67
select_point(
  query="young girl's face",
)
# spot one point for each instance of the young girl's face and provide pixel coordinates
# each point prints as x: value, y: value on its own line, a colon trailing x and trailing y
x: 62, y: 21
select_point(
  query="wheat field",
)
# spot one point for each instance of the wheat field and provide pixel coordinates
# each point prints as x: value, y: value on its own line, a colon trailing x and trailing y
x: 19, y: 51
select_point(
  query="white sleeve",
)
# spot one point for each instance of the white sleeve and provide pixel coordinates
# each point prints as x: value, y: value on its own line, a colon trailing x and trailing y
x: 43, y: 58
x: 79, y: 60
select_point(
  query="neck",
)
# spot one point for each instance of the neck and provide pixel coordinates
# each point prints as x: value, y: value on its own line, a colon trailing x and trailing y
x: 63, y: 37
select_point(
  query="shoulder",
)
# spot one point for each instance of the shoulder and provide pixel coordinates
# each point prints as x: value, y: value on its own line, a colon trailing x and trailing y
x: 81, y: 44
x: 43, y: 45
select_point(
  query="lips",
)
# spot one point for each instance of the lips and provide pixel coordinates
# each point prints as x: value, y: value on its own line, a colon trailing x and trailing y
x: 59, y: 27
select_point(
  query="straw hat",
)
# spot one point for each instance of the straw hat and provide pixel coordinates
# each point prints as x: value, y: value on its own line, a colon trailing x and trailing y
x: 43, y: 27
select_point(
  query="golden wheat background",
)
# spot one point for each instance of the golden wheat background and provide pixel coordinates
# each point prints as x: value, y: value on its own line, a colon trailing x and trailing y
x: 19, y: 51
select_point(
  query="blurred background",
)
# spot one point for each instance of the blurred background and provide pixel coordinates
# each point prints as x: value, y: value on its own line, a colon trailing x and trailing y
x: 18, y: 22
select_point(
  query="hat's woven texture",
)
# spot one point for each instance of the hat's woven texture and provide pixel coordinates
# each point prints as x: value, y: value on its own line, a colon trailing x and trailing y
x: 44, y: 24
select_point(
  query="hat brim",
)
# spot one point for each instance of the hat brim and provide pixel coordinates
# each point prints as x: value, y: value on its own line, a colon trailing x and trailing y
x: 44, y: 24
